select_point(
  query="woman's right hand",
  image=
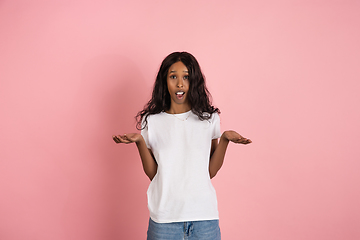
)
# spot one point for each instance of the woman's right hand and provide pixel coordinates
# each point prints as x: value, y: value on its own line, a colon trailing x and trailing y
x: 127, y: 138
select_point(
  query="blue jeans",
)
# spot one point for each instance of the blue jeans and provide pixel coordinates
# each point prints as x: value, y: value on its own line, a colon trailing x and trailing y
x: 196, y: 230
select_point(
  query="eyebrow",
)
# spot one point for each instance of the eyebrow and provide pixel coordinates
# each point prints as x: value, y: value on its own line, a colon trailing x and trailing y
x: 175, y: 71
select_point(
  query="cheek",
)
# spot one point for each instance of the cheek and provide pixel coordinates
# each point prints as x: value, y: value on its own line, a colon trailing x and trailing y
x: 187, y: 84
x: 171, y: 84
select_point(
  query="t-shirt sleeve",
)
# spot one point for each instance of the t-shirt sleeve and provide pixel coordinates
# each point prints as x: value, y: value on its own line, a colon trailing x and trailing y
x: 145, y: 132
x: 216, y: 133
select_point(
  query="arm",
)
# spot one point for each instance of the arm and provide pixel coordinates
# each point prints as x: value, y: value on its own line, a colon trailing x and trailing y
x: 147, y: 158
x: 218, y: 150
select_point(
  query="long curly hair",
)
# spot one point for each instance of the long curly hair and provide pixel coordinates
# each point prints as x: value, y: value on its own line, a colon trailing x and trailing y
x: 198, y: 95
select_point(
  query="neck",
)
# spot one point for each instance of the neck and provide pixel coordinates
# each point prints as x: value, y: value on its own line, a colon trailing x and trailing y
x: 181, y: 108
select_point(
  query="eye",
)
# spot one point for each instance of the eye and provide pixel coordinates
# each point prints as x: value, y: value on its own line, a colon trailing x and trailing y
x: 186, y: 77
x: 172, y: 76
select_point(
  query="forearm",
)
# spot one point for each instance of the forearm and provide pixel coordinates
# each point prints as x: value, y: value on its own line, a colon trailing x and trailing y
x: 148, y: 162
x: 217, y: 158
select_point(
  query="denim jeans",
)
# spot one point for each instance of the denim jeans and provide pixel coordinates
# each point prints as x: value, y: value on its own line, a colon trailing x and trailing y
x: 196, y: 230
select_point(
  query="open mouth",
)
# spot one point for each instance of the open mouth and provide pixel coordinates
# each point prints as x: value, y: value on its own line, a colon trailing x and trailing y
x: 180, y: 94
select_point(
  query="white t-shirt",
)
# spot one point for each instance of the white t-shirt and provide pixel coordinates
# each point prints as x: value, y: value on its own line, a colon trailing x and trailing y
x: 181, y: 189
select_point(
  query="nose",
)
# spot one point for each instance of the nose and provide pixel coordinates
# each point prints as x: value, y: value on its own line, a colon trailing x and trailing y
x: 180, y: 83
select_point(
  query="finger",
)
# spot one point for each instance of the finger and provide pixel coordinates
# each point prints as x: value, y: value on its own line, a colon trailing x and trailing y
x: 125, y: 140
x: 246, y: 141
x: 116, y: 139
x: 128, y: 139
x: 242, y: 141
x: 122, y: 139
x: 119, y: 139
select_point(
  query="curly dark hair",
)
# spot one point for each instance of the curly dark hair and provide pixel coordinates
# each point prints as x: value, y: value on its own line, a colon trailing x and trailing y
x: 198, y: 95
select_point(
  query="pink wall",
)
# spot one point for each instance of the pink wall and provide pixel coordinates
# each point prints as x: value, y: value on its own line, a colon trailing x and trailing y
x: 285, y: 74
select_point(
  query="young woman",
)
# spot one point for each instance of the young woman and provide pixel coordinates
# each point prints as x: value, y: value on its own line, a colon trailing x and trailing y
x: 180, y: 151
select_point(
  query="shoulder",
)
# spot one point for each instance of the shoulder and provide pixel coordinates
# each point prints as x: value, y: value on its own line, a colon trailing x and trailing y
x: 215, y: 115
x: 153, y: 117
x: 157, y: 116
x: 212, y: 117
x: 215, y: 118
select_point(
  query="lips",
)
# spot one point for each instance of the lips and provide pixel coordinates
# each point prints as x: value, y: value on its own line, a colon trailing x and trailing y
x: 180, y: 94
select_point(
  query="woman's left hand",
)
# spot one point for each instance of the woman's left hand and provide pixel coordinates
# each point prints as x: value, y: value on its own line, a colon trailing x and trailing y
x: 235, y: 137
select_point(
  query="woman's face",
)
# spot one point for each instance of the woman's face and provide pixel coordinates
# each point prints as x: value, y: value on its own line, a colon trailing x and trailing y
x: 178, y: 84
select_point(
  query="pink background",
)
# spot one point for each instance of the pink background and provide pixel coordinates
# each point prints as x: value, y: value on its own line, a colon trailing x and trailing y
x: 284, y: 73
